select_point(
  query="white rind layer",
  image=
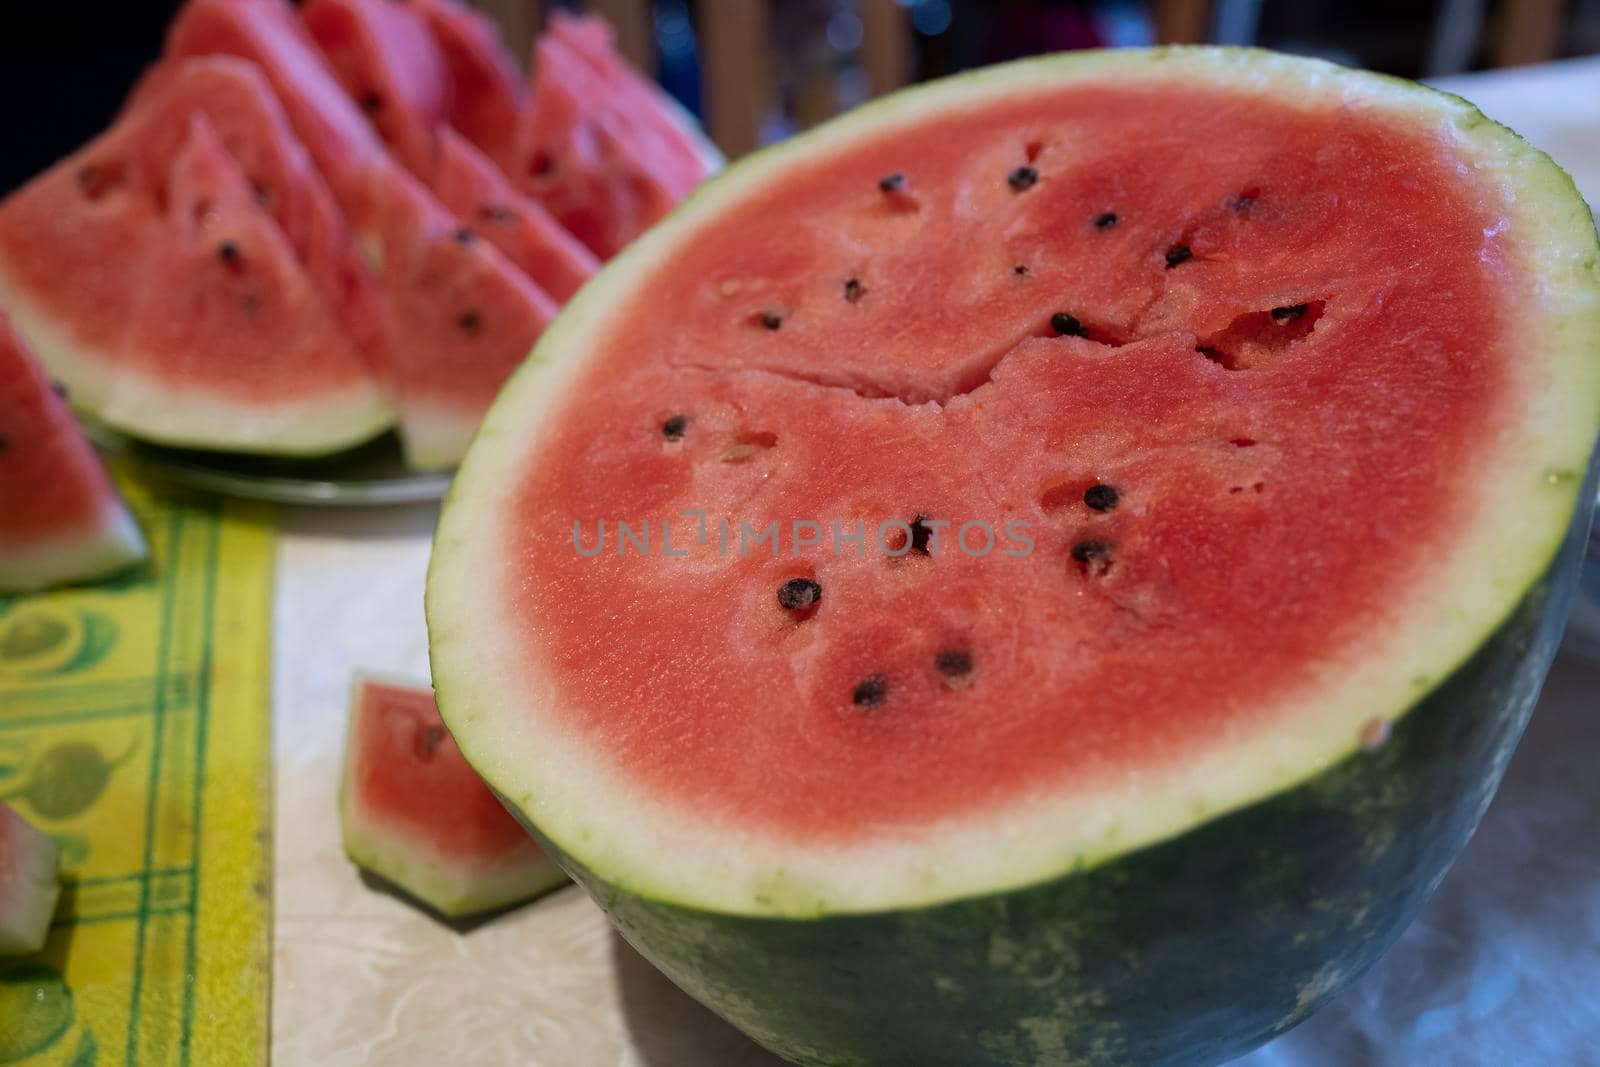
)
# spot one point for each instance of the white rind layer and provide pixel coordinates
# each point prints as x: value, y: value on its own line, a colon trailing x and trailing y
x: 168, y: 413
x: 435, y: 438
x: 30, y: 884
x: 107, y: 547
x: 501, y: 709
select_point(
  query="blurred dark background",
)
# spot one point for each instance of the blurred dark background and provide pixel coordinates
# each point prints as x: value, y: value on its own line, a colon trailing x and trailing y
x: 759, y: 69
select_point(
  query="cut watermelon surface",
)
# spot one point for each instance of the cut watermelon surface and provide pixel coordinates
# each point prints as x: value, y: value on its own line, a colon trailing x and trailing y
x: 606, y: 153
x: 29, y: 884
x: 456, y: 315
x: 485, y: 85
x: 414, y: 812
x: 194, y: 317
x: 472, y: 187
x: 1167, y: 528
x: 388, y: 63
x: 63, y: 520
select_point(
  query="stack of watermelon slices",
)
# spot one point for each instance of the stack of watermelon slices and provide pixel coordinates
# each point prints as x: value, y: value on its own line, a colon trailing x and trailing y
x: 306, y: 228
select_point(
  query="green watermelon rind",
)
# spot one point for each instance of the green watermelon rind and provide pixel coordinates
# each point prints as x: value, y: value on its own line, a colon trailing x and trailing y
x: 1051, y: 945
x: 452, y: 888
x: 30, y: 886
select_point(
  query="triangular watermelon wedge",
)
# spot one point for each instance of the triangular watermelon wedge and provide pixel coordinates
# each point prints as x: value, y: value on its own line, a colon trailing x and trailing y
x: 475, y: 189
x: 61, y: 519
x: 441, y: 375
x: 387, y: 61
x: 486, y: 90
x: 230, y: 345
x: 598, y: 146
x: 462, y: 317
x: 30, y: 884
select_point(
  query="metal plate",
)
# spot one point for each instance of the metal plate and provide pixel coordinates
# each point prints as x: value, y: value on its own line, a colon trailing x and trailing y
x: 371, y: 475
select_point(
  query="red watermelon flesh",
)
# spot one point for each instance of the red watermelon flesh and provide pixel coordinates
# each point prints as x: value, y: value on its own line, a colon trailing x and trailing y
x: 387, y: 61
x: 461, y: 317
x: 62, y: 520
x: 485, y: 85
x: 605, y: 165
x: 236, y: 97
x: 470, y: 185
x: 414, y: 812
x: 230, y: 343
x: 268, y: 33
x: 1012, y: 321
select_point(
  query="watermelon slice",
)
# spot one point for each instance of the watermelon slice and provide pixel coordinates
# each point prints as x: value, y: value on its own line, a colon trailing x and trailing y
x: 485, y: 84
x: 413, y: 812
x: 63, y: 521
x: 456, y: 315
x: 387, y: 61
x: 607, y: 153
x: 127, y: 336
x: 29, y: 884
x: 475, y: 190
x: 1080, y: 541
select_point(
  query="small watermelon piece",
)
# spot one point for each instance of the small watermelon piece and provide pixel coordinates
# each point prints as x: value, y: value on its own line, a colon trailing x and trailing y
x: 384, y: 56
x: 413, y: 811
x: 477, y: 192
x: 1096, y: 530
x: 599, y: 147
x: 63, y: 520
x: 486, y: 89
x: 30, y: 884
x: 463, y: 317
x: 230, y: 345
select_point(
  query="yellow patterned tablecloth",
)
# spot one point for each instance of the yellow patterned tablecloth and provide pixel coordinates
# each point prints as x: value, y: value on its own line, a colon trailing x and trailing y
x: 134, y: 728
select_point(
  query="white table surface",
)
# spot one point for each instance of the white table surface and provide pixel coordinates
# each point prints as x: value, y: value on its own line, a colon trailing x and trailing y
x: 1503, y: 967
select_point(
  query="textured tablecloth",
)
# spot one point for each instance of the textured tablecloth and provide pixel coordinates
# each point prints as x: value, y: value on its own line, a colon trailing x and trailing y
x: 1503, y: 967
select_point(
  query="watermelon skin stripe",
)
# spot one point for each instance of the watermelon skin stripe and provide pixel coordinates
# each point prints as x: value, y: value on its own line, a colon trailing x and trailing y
x: 1191, y: 951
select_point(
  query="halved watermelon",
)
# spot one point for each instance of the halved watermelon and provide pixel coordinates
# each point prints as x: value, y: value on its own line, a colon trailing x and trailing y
x: 477, y: 192
x: 1077, y: 544
x: 387, y: 61
x: 29, y: 884
x: 126, y: 334
x: 63, y: 520
x: 413, y: 812
x: 605, y: 152
x: 485, y: 84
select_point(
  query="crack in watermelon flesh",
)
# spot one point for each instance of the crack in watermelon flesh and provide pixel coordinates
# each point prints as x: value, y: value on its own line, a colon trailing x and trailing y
x: 1287, y: 357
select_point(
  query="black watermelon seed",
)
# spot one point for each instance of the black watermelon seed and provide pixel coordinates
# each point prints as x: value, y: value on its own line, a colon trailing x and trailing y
x: 1178, y: 254
x: 1022, y: 177
x: 953, y: 662
x: 250, y: 303
x: 892, y: 183
x: 263, y: 194
x: 1020, y: 269
x: 797, y: 594
x: 672, y: 429
x: 544, y: 165
x: 4, y: 444
x: 470, y: 322
x: 1245, y: 201
x: 1101, y: 497
x: 464, y: 236
x: 372, y: 103
x: 1289, y: 313
x: 921, y: 534
x: 854, y: 290
x: 430, y: 739
x: 1093, y: 554
x: 496, y: 213
x: 1067, y: 325
x: 59, y: 389
x: 1105, y: 220
x: 771, y: 320
x: 870, y: 691
x: 228, y: 252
